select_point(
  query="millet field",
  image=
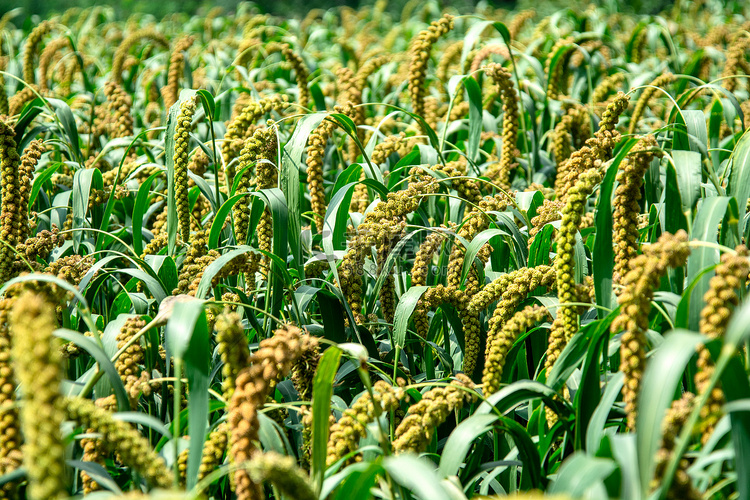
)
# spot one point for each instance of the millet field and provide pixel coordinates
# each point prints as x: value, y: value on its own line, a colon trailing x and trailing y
x: 399, y: 252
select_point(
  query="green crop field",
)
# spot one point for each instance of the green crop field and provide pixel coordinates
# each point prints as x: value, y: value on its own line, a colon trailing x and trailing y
x: 395, y: 252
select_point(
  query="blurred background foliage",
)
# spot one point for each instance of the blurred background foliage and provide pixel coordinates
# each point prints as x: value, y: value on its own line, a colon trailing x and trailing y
x: 161, y: 8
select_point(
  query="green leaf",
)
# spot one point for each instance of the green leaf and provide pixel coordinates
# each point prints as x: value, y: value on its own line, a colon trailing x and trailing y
x: 322, y: 392
x: 209, y: 105
x: 404, y: 310
x: 139, y: 209
x: 663, y: 373
x: 475, y: 246
x: 579, y: 472
x: 96, y: 352
x: 475, y: 117
x: 187, y: 337
x: 603, y: 261
x: 39, y: 181
x: 595, y: 429
x: 674, y: 216
x: 415, y: 474
x: 710, y: 214
x: 217, y: 225
x: 739, y: 179
x: 204, y: 286
x: 688, y: 169
x: 291, y: 162
x: 84, y: 180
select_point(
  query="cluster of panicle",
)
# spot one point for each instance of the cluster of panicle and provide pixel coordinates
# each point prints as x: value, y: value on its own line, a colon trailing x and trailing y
x: 29, y: 160
x: 597, y: 149
x: 46, y: 59
x: 391, y: 144
x: 213, y: 450
x: 626, y: 206
x: 71, y: 268
x: 640, y: 41
x: 234, y: 267
x: 645, y: 99
x: 352, y: 426
x: 233, y: 349
x: 118, y: 437
x: 128, y: 365
x: 283, y: 473
x: 121, y: 54
x: 485, y: 52
x: 549, y: 211
x: 567, y: 290
x: 423, y: 418
x: 181, y: 152
x: 563, y: 49
x: 681, y: 487
x: 646, y: 271
x: 608, y: 85
x: 273, y: 360
x: 176, y: 69
x: 474, y: 223
x: 500, y: 339
x: 241, y: 126
x: 510, y: 289
x: 419, y: 272
x: 119, y: 118
x: 735, y: 59
x: 31, y: 48
x: 519, y: 21
x: 451, y: 54
x: 316, y: 151
x: 38, y: 366
x: 467, y: 189
x: 11, y: 210
x: 212, y: 455
x: 420, y: 50
x: 300, y: 69
x: 10, y: 432
x: 266, y: 177
x: 194, y: 262
x: 20, y: 98
x: 381, y: 152
x: 721, y: 298
x: 252, y: 152
x: 93, y: 449
x: 570, y: 133
x: 385, y: 223
x: 370, y: 67
x: 500, y: 172
x: 303, y: 369
x: 302, y: 375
